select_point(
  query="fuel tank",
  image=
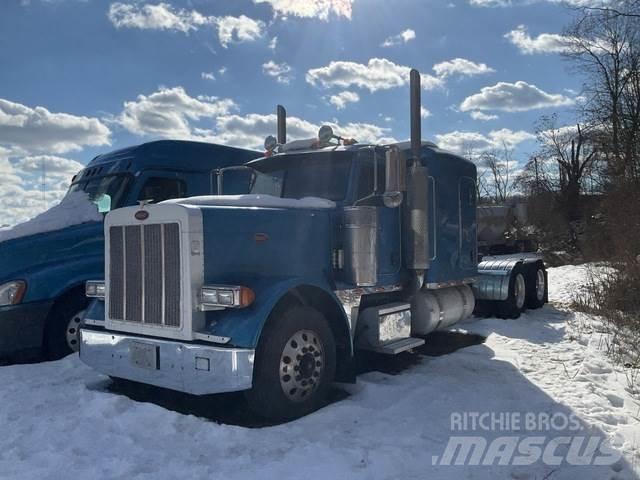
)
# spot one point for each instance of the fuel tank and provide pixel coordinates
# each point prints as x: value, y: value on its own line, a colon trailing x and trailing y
x: 439, y: 309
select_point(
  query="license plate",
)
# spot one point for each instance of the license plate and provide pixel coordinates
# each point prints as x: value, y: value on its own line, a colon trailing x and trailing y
x: 144, y: 355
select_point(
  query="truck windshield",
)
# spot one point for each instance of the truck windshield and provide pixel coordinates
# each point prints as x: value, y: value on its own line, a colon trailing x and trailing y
x: 299, y: 176
x: 108, y: 192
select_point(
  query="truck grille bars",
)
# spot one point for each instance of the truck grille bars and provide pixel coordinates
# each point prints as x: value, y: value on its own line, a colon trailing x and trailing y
x: 144, y: 274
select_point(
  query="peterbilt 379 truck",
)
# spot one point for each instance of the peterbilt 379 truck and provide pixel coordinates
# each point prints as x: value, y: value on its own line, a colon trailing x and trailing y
x: 42, y: 276
x: 339, y: 247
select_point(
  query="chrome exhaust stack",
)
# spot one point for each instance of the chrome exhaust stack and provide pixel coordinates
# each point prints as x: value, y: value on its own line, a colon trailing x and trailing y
x: 282, y: 125
x: 417, y: 221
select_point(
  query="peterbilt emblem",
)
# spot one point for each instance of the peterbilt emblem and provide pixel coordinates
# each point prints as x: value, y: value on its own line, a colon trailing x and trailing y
x: 141, y: 215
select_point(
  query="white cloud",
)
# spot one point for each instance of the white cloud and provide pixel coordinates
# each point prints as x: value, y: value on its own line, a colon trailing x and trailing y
x: 207, y: 76
x: 273, y: 43
x: 280, y: 71
x: 155, y: 17
x: 238, y: 29
x: 28, y: 139
x: 172, y: 113
x: 424, y: 113
x: 22, y: 195
x: 169, y: 112
x: 250, y: 130
x: 403, y: 37
x: 32, y: 130
x: 543, y: 43
x: 513, y: 97
x: 321, y: 9
x: 50, y: 165
x: 463, y: 142
x: 377, y: 74
x: 165, y: 17
x: 343, y: 98
x: 476, y: 115
x: 461, y: 66
x: 517, y: 3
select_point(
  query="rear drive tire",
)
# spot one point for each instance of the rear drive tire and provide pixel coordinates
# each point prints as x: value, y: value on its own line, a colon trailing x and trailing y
x: 294, y: 365
x: 62, y: 331
x: 537, y: 286
x: 514, y: 305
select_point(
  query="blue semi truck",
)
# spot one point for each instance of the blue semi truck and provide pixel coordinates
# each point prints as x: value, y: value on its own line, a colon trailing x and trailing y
x: 339, y: 247
x: 42, y: 276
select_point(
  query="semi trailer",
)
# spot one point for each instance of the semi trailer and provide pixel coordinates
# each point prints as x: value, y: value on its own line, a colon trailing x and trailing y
x: 42, y: 275
x: 338, y: 247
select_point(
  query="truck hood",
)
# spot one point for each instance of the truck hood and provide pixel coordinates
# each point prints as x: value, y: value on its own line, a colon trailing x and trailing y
x: 20, y: 255
x: 244, y: 244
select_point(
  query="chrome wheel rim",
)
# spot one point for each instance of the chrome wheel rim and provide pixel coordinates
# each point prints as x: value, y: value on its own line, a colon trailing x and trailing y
x: 540, y: 285
x: 301, y: 365
x: 519, y: 290
x: 72, y: 332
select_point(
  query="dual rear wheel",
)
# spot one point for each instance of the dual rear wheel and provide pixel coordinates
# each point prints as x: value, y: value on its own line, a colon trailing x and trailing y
x: 527, y: 290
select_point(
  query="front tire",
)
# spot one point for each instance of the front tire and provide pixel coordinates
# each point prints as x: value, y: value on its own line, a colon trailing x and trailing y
x: 61, y: 336
x: 294, y: 365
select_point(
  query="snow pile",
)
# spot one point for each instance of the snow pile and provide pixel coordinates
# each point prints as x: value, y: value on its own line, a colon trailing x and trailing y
x: 60, y: 421
x: 254, y: 200
x: 75, y: 208
x: 567, y: 282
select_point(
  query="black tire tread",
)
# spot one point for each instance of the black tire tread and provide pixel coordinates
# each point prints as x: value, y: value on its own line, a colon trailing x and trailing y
x: 266, y: 398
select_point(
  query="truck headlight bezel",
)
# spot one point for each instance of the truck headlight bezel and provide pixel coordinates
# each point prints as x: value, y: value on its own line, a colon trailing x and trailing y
x: 95, y: 289
x: 12, y: 293
x: 219, y: 297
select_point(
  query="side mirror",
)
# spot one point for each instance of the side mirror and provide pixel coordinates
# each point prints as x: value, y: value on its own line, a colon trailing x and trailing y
x: 395, y: 178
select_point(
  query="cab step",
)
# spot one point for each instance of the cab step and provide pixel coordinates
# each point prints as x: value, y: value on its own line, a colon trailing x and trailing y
x: 395, y: 347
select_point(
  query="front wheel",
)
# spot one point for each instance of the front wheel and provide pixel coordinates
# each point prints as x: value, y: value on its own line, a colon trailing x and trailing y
x: 62, y: 332
x: 294, y: 366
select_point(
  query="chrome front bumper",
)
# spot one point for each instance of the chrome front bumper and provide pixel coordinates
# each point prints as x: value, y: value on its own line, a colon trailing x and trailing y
x: 191, y: 368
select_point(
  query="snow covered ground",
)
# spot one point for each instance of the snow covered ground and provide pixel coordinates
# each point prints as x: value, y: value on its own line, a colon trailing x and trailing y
x: 62, y: 420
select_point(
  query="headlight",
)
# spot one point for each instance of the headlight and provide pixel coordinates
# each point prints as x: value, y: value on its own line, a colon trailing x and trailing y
x: 11, y: 293
x: 216, y: 297
x: 94, y: 289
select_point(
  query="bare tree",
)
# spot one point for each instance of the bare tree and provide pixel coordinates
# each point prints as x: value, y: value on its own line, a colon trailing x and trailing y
x: 574, y: 153
x: 625, y: 8
x: 498, y: 164
x: 605, y: 47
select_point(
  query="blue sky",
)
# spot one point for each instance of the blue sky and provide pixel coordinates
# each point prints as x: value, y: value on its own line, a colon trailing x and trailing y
x: 81, y: 77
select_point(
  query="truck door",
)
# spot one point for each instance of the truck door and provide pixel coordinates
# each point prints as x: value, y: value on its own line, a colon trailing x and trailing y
x: 388, y: 218
x: 467, y: 222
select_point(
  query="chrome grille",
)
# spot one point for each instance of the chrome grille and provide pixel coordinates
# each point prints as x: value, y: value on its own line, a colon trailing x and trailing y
x: 144, y: 274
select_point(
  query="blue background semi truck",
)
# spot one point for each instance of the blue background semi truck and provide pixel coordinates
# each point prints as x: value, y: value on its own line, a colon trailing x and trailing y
x: 55, y: 265
x: 339, y: 247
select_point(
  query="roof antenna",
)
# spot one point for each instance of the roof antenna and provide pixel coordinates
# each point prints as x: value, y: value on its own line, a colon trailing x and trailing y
x: 282, y: 125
